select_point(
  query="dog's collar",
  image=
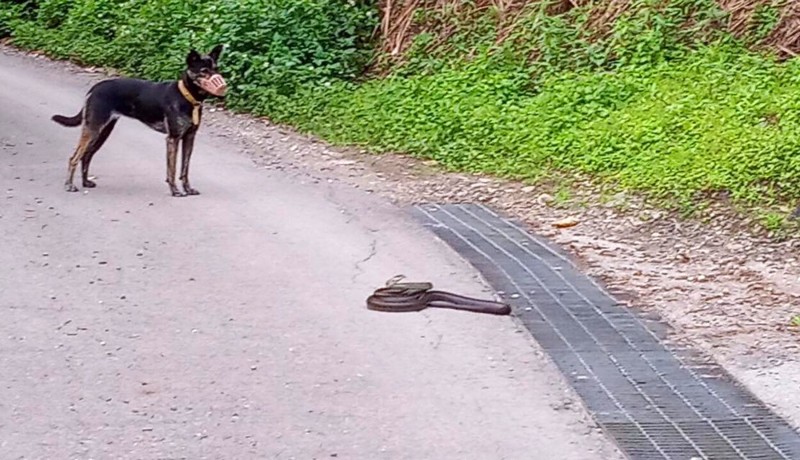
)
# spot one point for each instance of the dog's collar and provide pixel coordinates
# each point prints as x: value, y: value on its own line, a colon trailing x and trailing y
x: 195, y: 103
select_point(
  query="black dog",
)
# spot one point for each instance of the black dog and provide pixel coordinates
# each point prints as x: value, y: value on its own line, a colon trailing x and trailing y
x: 172, y: 108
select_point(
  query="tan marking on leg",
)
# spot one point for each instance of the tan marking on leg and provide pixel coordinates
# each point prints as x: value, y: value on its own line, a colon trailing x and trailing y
x: 172, y: 158
x: 80, y: 150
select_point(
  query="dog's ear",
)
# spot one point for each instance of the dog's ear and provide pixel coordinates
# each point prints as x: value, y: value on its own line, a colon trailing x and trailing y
x: 193, y: 58
x: 216, y: 53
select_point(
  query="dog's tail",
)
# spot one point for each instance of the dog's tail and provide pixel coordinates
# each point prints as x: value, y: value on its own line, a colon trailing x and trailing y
x: 69, y: 121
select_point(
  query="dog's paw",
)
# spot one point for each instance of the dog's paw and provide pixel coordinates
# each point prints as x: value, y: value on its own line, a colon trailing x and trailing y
x: 174, y: 191
x: 70, y: 187
x: 191, y: 191
x: 89, y: 184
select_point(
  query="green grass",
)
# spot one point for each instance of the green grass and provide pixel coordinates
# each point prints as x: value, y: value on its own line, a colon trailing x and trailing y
x: 720, y: 119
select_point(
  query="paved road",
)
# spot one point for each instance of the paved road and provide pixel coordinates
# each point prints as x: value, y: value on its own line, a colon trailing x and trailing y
x: 231, y: 325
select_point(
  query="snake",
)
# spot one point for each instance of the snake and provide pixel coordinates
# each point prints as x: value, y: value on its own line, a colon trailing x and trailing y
x: 416, y: 296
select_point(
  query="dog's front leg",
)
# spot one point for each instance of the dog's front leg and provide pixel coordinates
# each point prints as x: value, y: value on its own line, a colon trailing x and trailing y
x: 186, y: 156
x: 172, y: 157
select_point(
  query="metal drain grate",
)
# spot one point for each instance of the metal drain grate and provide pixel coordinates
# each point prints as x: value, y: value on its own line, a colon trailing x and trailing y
x: 656, y: 401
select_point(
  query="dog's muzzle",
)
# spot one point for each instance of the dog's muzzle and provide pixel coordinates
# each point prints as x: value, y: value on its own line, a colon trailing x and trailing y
x: 214, y: 85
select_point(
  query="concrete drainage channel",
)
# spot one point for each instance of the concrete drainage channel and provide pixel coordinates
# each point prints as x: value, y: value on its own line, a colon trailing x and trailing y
x: 657, y: 401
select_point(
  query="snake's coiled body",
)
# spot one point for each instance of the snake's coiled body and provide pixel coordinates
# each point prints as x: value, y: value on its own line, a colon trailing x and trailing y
x: 406, y: 297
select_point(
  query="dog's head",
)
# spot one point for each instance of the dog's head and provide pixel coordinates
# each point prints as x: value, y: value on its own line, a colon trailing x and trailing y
x: 202, y: 71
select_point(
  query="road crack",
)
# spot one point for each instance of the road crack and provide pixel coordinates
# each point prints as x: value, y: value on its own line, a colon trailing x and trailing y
x: 373, y: 251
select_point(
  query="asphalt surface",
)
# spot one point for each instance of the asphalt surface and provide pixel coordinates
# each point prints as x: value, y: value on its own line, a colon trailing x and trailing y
x: 232, y: 325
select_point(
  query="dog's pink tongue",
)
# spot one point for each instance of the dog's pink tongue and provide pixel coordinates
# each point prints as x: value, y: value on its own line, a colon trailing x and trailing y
x: 215, y: 85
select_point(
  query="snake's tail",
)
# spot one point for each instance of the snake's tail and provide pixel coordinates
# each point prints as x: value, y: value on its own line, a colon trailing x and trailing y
x: 440, y: 299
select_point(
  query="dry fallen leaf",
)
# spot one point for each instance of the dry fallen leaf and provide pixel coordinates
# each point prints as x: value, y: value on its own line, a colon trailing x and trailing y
x: 566, y: 223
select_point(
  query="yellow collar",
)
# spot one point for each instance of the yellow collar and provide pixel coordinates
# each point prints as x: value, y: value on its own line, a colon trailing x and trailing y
x: 195, y: 103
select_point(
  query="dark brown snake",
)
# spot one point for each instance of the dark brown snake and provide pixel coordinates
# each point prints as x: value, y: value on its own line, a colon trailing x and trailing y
x: 406, y: 297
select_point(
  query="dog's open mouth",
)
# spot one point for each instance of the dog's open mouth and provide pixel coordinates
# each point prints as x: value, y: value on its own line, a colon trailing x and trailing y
x: 214, y: 85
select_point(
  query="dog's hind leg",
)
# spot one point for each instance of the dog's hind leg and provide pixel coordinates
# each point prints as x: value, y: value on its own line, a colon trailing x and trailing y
x: 92, y: 149
x: 186, y: 156
x: 87, y: 136
x: 172, y: 159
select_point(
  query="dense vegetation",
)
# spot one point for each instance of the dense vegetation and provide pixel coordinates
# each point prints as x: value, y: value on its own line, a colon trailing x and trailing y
x: 676, y: 99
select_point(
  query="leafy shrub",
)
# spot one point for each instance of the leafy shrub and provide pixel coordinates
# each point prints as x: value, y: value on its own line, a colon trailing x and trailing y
x: 275, y: 45
x: 10, y: 15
